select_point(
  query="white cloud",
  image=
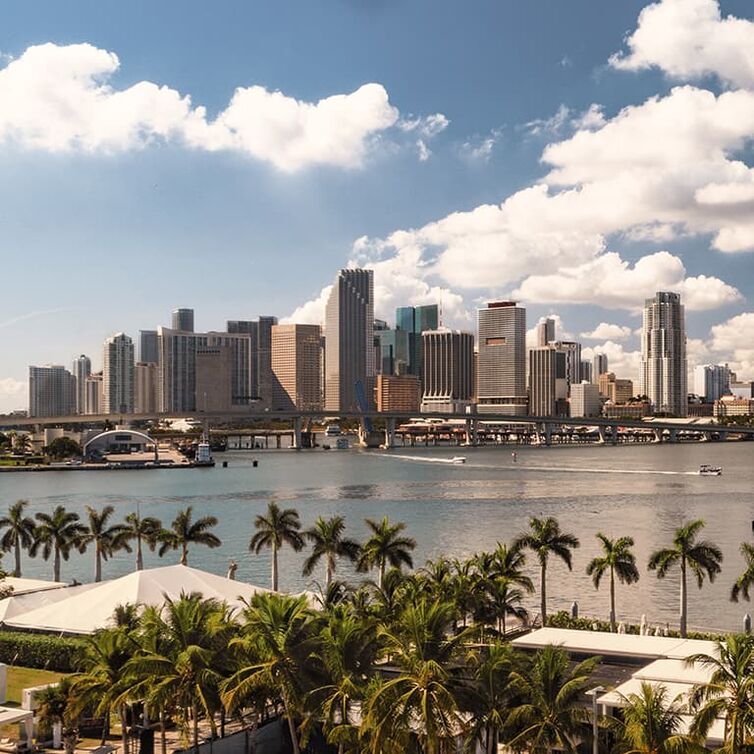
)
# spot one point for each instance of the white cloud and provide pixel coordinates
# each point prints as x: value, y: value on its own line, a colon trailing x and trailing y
x: 312, y: 312
x: 611, y: 282
x: 624, y: 363
x: 688, y: 39
x: 551, y: 125
x: 427, y: 126
x: 10, y: 387
x: 480, y: 150
x: 561, y: 331
x: 607, y: 331
x: 733, y: 341
x: 58, y: 98
x: 424, y: 151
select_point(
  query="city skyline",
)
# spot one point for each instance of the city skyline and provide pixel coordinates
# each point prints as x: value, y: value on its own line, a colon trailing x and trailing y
x: 565, y: 187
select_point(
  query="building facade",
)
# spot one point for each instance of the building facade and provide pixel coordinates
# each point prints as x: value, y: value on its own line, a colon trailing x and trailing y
x: 295, y: 362
x: 94, y: 397
x: 448, y: 370
x: 414, y: 320
x: 548, y: 383
x: 599, y: 366
x: 545, y: 332
x: 214, y: 377
x: 585, y: 400
x: 712, y: 381
x: 82, y: 368
x: 501, y: 359
x: 349, y: 340
x: 146, y: 376
x: 663, y: 354
x: 397, y: 392
x: 118, y: 375
x: 183, y: 320
x: 52, y: 391
x: 148, y: 348
x: 615, y: 390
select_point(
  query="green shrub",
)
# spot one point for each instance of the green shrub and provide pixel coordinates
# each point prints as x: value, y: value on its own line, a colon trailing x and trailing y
x: 39, y: 651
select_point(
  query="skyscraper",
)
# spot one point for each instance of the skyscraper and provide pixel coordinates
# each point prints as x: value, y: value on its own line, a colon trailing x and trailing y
x: 295, y: 367
x: 82, y: 368
x: 548, y: 382
x: 545, y: 331
x: 573, y: 361
x: 260, y: 334
x: 711, y: 381
x: 183, y: 320
x: 52, y: 391
x: 148, y: 350
x: 118, y: 375
x: 415, y: 320
x: 663, y: 354
x: 94, y: 399
x: 501, y: 361
x: 599, y: 366
x: 349, y: 340
x: 145, y: 387
x: 448, y: 370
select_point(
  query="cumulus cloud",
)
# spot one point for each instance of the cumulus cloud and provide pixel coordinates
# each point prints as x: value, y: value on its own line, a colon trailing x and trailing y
x: 10, y: 387
x: 480, y: 150
x: 623, y: 362
x: 607, y: 331
x: 611, y: 282
x: 688, y: 39
x: 561, y: 331
x: 59, y: 98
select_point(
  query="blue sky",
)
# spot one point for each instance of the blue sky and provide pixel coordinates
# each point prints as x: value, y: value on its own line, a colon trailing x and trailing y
x: 121, y: 201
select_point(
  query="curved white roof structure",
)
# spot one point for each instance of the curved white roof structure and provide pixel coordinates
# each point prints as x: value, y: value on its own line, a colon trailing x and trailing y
x: 88, y: 610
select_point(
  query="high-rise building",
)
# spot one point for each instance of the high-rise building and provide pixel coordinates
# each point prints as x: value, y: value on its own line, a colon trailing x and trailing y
x: 397, y: 392
x: 615, y: 390
x: 448, y: 370
x: 52, y: 391
x: 295, y: 367
x: 585, y: 400
x: 712, y: 381
x: 548, y: 382
x: 214, y: 378
x: 586, y: 372
x: 146, y: 376
x: 82, y: 368
x: 183, y: 320
x: 349, y: 340
x: 148, y: 349
x: 663, y: 354
x: 118, y: 375
x: 260, y: 334
x: 394, y: 349
x: 94, y: 397
x: 545, y: 332
x: 177, y: 389
x: 415, y: 320
x: 501, y: 360
x: 599, y: 366
x: 572, y: 350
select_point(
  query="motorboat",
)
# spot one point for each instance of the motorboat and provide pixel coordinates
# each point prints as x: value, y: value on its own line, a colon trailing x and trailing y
x: 457, y: 459
x: 706, y: 470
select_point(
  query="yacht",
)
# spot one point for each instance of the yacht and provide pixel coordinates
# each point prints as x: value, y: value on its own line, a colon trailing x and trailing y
x: 457, y: 459
x: 706, y: 470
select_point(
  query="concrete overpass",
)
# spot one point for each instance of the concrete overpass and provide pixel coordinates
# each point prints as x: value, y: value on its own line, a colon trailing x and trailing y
x: 544, y: 426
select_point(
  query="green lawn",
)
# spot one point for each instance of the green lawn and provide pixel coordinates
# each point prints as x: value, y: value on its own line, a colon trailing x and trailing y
x: 22, y: 678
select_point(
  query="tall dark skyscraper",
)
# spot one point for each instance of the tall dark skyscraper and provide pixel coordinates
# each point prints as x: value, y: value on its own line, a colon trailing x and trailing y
x: 148, y: 348
x: 260, y: 333
x: 416, y: 320
x: 183, y: 320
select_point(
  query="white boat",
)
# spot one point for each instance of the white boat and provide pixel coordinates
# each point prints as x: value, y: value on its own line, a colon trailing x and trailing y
x: 706, y: 470
x: 457, y: 459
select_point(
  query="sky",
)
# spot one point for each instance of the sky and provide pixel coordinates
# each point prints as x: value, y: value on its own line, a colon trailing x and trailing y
x: 233, y: 156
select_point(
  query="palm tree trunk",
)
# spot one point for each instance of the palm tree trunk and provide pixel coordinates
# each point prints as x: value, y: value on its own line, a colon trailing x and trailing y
x: 274, y: 577
x: 97, y: 564
x: 612, y: 600
x: 139, y: 557
x: 329, y: 569
x: 684, y: 598
x: 163, y: 733
x: 381, y: 574
x: 503, y: 623
x: 291, y: 727
x: 17, y: 548
x: 56, y: 565
x: 195, y: 716
x: 184, y: 553
x: 105, y: 727
x: 543, y: 592
x: 123, y: 728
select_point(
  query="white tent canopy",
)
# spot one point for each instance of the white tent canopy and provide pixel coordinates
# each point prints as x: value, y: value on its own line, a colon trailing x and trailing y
x: 87, y: 611
x: 18, y: 604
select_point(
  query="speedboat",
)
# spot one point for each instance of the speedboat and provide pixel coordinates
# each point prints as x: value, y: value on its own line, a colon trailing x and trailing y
x: 458, y: 459
x: 706, y: 470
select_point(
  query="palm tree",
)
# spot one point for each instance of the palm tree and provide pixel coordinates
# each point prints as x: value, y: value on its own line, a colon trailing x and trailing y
x: 184, y: 532
x: 744, y: 582
x: 617, y: 560
x: 703, y: 558
x: 19, y: 532
x: 55, y: 705
x: 275, y: 648
x: 729, y: 693
x: 545, y: 539
x: 509, y: 561
x: 651, y: 723
x: 57, y: 534
x: 103, y: 678
x: 184, y: 667
x: 422, y: 706
x: 143, y: 530
x: 106, y: 539
x: 329, y: 543
x: 550, y: 714
x: 500, y: 599
x: 386, y: 546
x: 274, y: 529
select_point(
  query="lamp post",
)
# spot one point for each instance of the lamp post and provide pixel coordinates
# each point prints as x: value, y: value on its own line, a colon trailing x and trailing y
x: 594, y: 693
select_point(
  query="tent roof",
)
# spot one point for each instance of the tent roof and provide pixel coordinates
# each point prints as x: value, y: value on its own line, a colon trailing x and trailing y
x: 18, y: 604
x: 25, y: 586
x: 87, y: 611
x: 614, y: 645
